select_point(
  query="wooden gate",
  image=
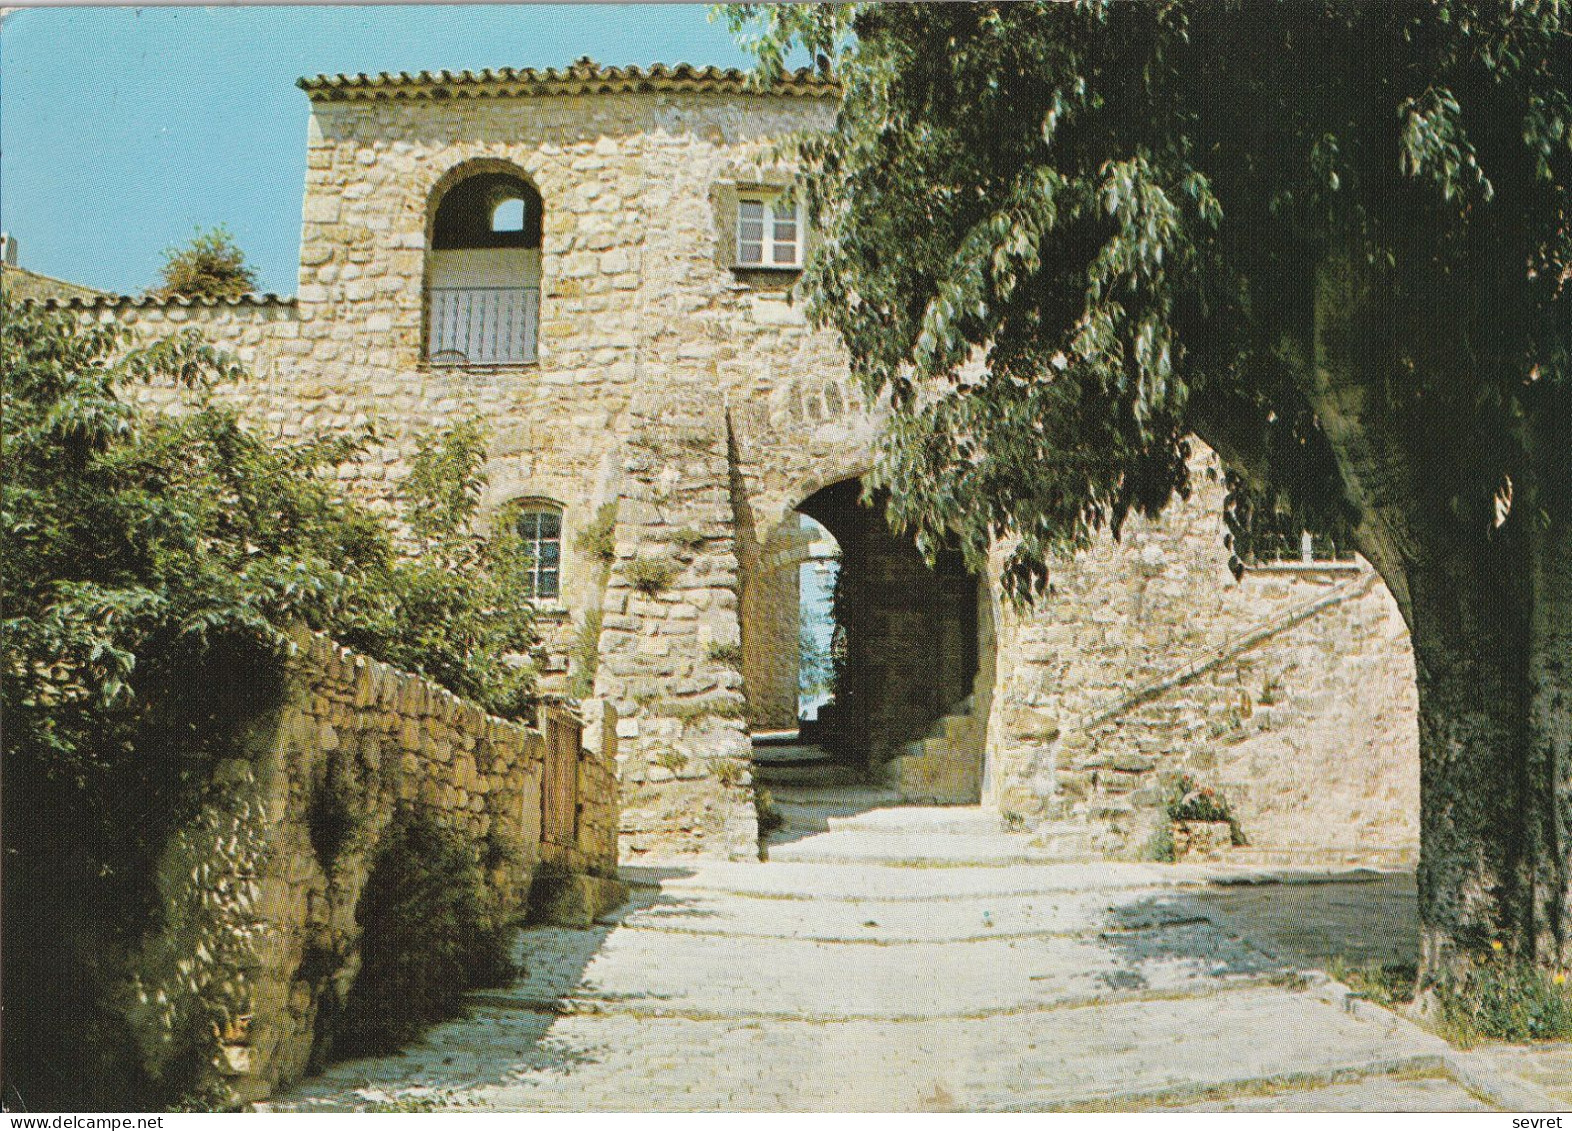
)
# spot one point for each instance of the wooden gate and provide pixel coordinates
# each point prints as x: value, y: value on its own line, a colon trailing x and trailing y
x: 559, y: 787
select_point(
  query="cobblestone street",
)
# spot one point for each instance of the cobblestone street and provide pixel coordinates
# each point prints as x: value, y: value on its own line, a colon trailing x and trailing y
x: 906, y: 959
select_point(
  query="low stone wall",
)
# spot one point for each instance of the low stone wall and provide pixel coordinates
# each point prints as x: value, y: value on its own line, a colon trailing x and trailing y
x: 353, y: 741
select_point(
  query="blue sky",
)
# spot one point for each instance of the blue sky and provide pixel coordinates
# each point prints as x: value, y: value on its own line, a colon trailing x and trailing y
x: 122, y: 129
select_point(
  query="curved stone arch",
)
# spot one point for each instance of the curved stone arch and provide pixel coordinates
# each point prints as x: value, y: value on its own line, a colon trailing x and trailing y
x: 445, y: 181
x: 825, y: 473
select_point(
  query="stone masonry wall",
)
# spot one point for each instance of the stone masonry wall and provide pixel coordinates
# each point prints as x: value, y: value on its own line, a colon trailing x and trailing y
x: 354, y: 741
x: 1291, y: 692
x: 771, y: 627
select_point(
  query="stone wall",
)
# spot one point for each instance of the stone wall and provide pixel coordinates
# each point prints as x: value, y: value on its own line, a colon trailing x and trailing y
x: 1291, y: 691
x: 272, y: 932
x: 771, y: 627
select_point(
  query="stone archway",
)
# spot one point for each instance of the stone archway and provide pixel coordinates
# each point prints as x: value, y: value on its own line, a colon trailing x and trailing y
x: 915, y: 664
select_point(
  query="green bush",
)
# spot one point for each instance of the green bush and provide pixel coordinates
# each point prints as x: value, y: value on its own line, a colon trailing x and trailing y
x: 768, y: 815
x: 454, y: 610
x: 651, y: 576
x: 1388, y: 984
x: 429, y: 933
x: 1499, y: 998
x: 673, y: 760
x: 1160, y: 845
x: 599, y: 538
x: 586, y: 654
x: 154, y: 567
x: 688, y: 539
x: 209, y: 266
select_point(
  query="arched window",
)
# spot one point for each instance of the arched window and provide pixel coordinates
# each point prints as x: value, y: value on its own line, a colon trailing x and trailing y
x: 540, y: 527
x: 483, y: 273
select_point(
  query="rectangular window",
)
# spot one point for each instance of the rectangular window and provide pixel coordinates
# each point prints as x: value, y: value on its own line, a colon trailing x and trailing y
x: 541, y: 530
x: 769, y: 232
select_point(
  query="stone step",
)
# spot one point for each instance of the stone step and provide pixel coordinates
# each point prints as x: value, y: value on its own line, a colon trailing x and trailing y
x: 1066, y: 840
x: 824, y: 775
x: 793, y: 753
x: 642, y: 973
x: 957, y: 728
x: 955, y: 849
x: 920, y: 821
x: 841, y: 799
x: 893, y: 922
x: 784, y: 879
x: 1256, y: 1044
x: 1117, y: 1056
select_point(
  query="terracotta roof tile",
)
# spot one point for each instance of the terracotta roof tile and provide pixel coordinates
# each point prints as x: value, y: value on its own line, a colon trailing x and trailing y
x: 107, y: 301
x: 584, y: 77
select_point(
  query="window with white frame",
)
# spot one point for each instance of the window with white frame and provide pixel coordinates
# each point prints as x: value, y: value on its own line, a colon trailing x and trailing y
x: 769, y: 231
x: 540, y: 527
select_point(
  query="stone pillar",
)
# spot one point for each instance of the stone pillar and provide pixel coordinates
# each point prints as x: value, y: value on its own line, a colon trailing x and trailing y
x: 670, y: 649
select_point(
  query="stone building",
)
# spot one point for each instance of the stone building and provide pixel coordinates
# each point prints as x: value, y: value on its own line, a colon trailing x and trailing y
x: 21, y: 284
x: 603, y: 265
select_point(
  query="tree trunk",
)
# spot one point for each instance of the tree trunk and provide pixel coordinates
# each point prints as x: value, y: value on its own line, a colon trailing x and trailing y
x: 1546, y: 872
x: 1486, y: 587
x: 1492, y: 635
x: 1469, y: 637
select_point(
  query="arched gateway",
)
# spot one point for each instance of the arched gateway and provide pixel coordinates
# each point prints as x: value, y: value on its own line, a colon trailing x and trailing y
x: 617, y: 298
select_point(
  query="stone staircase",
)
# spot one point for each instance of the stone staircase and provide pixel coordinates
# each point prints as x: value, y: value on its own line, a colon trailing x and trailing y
x: 787, y: 765
x: 896, y: 958
x: 830, y: 823
x: 944, y: 767
x: 878, y: 824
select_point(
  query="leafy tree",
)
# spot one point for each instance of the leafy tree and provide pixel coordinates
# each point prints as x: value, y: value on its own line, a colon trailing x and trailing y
x: 455, y: 611
x: 814, y: 670
x: 1331, y: 238
x: 153, y: 565
x: 209, y: 266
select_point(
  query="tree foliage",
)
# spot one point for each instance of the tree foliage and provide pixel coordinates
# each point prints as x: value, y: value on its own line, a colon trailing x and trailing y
x: 154, y: 565
x: 1331, y: 238
x: 210, y: 265
x: 1063, y: 236
x: 429, y: 933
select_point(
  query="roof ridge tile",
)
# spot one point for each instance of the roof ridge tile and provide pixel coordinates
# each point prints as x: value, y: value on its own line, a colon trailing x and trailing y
x: 583, y: 76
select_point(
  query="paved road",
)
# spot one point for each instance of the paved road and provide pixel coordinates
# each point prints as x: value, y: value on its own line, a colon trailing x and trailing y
x: 900, y: 959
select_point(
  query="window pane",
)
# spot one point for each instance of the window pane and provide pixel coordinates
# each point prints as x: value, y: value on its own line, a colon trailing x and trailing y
x: 529, y: 525
x: 550, y: 524
x: 548, y: 583
x: 750, y: 253
x: 550, y: 553
x: 785, y: 210
x: 752, y: 230
x: 786, y: 252
x: 751, y: 210
x: 508, y: 216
